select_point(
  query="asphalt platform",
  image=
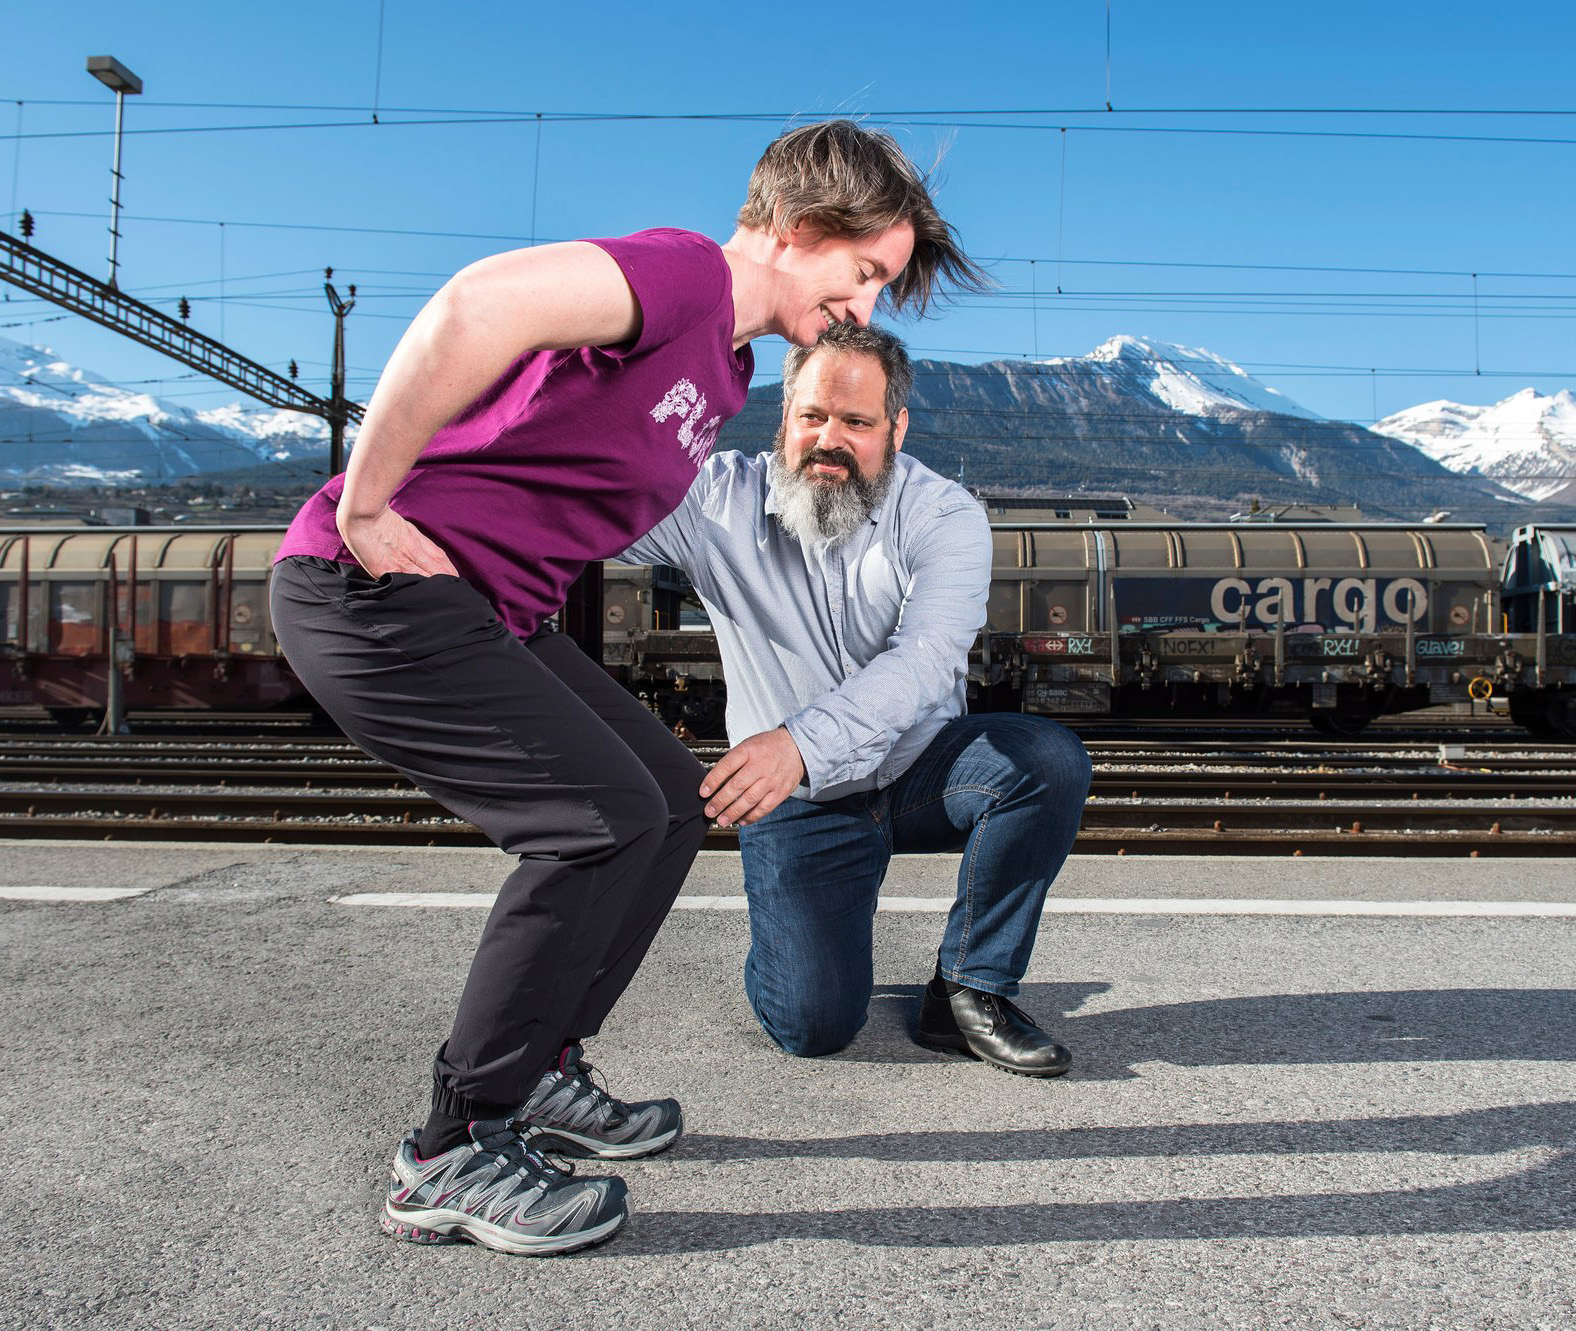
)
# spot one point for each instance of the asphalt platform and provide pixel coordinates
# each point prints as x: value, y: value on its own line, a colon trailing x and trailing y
x: 1307, y: 1093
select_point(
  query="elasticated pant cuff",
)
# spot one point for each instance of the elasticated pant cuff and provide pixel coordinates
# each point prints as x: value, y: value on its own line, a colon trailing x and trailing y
x: 455, y: 1105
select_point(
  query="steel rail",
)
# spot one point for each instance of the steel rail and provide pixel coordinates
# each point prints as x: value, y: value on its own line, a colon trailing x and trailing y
x: 1133, y: 752
x: 1550, y: 821
x: 1427, y: 784
x: 1125, y: 841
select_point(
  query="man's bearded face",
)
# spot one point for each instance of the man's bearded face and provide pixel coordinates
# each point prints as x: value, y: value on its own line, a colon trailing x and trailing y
x: 833, y: 459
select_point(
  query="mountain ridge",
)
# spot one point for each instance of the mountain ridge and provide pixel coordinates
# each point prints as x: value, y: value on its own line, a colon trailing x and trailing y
x: 1526, y: 442
x: 121, y: 437
x: 1111, y: 422
x: 1176, y: 425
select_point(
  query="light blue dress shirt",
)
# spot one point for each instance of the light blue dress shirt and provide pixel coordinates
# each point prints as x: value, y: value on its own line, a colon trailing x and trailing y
x: 860, y: 650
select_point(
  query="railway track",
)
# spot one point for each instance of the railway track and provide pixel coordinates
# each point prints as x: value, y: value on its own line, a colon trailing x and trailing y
x: 1149, y: 781
x: 1239, y: 796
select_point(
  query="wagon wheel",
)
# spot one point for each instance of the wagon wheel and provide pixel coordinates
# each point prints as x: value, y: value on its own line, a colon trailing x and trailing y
x: 1338, y: 724
x: 1545, y: 717
x: 74, y: 718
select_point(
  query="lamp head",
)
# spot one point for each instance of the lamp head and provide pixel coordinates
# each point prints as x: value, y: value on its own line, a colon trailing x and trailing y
x: 113, y: 75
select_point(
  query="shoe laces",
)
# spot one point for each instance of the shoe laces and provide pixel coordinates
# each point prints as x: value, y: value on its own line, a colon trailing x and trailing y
x: 588, y: 1082
x: 999, y: 1004
x: 509, y: 1148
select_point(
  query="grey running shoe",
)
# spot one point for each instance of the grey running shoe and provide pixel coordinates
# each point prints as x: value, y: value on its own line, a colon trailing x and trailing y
x: 496, y: 1191
x: 569, y: 1114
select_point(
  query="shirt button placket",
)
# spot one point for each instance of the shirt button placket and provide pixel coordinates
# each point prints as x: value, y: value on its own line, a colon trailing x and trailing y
x: 842, y: 623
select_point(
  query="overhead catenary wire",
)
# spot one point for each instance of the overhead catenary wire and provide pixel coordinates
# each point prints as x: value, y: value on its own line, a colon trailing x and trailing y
x: 920, y: 434
x: 432, y: 233
x: 877, y: 121
x: 1308, y: 438
x: 176, y: 104
x: 1528, y: 305
x: 1422, y: 301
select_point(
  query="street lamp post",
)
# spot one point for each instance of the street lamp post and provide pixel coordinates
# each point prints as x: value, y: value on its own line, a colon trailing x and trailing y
x: 114, y: 75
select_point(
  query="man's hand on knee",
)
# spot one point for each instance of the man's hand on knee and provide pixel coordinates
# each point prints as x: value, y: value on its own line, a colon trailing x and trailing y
x: 753, y: 778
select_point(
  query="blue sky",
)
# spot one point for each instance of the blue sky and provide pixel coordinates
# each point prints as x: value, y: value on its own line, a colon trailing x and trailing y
x: 1329, y: 253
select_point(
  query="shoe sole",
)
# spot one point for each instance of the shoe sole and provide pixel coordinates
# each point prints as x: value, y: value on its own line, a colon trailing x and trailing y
x: 562, y: 1142
x: 435, y: 1227
x: 963, y: 1050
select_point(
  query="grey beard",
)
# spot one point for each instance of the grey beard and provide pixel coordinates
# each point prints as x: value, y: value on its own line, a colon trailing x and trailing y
x: 814, y: 513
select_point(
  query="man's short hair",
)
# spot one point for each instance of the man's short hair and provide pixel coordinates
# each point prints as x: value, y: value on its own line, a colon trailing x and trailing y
x: 845, y: 180
x: 845, y: 338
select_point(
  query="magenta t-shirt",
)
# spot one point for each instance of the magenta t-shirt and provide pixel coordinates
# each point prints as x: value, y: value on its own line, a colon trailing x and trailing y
x: 572, y: 456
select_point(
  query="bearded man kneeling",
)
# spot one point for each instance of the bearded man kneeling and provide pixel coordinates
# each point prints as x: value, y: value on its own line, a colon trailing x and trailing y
x: 846, y: 583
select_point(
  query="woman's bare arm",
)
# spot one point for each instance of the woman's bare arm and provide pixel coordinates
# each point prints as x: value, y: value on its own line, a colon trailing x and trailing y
x: 550, y: 298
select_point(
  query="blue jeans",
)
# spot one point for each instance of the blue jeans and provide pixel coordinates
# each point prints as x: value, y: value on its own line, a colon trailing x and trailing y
x: 1007, y: 790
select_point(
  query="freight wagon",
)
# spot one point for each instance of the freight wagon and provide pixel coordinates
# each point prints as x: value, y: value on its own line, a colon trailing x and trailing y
x: 181, y: 612
x: 1539, y: 580
x: 1338, y: 623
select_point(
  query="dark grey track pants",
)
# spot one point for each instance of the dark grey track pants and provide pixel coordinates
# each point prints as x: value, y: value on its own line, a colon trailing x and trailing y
x: 553, y: 761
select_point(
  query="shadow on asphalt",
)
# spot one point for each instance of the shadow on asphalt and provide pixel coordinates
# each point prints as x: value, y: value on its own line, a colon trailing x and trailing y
x: 1471, y: 1132
x: 1414, y: 1025
x: 1443, y: 1025
x: 1535, y: 1200
x: 1539, y: 1199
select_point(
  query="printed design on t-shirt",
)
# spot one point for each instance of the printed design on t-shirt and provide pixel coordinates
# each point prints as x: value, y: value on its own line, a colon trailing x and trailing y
x: 687, y: 400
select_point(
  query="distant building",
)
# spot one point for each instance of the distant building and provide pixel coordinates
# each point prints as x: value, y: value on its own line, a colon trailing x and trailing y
x: 1301, y: 513
x: 118, y: 515
x: 1068, y: 508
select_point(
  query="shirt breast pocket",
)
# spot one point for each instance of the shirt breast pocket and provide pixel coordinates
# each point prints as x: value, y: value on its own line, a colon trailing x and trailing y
x: 879, y: 588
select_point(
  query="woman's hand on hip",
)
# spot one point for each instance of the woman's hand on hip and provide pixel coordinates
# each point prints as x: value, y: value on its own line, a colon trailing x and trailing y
x: 387, y: 543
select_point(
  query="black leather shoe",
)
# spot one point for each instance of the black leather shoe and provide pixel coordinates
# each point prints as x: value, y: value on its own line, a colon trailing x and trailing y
x: 990, y: 1028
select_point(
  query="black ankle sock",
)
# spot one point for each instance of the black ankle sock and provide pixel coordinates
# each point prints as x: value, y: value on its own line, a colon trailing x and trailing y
x: 948, y: 987
x: 443, y: 1133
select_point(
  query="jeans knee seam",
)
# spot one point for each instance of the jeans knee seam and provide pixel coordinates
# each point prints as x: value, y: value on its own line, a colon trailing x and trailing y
x: 968, y: 899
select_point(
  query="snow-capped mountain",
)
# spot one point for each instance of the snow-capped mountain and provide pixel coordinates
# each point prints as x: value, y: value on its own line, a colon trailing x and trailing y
x: 1186, y: 379
x: 1150, y: 419
x: 1527, y: 442
x: 63, y: 425
x: 1136, y: 416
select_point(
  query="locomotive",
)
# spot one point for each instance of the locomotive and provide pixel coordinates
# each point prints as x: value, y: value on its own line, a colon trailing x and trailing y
x: 1338, y: 623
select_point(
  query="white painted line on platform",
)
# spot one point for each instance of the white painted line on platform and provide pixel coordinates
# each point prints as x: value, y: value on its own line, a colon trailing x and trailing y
x: 1337, y: 906
x: 420, y: 900
x: 70, y: 893
x: 1068, y: 905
